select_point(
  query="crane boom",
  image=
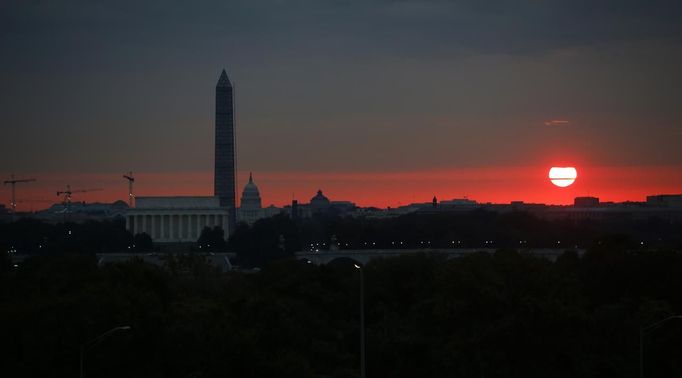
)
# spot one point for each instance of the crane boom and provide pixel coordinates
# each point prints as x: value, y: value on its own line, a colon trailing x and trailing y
x: 68, y: 192
x: 13, y: 182
x: 86, y: 190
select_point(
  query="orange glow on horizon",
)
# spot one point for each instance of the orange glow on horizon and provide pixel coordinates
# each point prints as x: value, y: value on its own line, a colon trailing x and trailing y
x: 380, y: 189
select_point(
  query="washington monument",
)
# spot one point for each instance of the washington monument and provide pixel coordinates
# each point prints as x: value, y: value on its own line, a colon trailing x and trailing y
x: 224, y: 175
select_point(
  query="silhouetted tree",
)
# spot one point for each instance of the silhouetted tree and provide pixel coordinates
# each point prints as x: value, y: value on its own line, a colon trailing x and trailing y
x: 261, y: 243
x: 495, y: 315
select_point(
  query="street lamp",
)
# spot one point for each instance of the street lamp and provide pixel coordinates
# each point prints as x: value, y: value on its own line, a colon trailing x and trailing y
x: 92, y: 343
x: 362, y: 320
x: 646, y: 330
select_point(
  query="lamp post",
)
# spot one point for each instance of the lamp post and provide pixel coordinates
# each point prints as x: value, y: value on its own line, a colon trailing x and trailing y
x: 362, y: 321
x: 92, y: 343
x: 646, y: 330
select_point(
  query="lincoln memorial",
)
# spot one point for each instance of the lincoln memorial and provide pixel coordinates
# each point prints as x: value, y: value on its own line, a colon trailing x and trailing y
x: 176, y: 219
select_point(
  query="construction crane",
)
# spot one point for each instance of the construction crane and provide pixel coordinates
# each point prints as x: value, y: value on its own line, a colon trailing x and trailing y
x: 129, y: 176
x: 68, y: 192
x: 14, y: 181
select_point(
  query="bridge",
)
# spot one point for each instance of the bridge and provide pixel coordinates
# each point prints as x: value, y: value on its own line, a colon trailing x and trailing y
x: 363, y: 256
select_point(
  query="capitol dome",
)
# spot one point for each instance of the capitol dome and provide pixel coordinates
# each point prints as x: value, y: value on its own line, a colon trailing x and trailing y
x: 250, y: 195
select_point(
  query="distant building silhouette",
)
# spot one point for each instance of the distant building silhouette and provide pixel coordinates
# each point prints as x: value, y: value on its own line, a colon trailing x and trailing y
x: 250, y: 209
x: 294, y: 209
x: 224, y: 174
x: 319, y: 203
x: 665, y: 200
x: 586, y: 202
x: 250, y: 196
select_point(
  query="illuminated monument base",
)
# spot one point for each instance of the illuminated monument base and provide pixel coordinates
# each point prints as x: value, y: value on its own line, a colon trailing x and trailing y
x: 176, y: 219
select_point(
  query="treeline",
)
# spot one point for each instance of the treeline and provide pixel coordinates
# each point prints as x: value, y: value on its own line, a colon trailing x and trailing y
x: 280, y: 236
x: 473, y: 229
x: 502, y: 315
x: 35, y: 237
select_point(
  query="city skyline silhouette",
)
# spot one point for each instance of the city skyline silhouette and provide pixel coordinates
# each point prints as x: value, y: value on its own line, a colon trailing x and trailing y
x: 348, y: 99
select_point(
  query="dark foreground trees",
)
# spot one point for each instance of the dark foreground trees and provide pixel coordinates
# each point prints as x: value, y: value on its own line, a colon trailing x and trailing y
x: 501, y: 315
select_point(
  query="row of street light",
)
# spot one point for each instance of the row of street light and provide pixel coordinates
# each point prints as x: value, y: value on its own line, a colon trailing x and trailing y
x: 316, y: 247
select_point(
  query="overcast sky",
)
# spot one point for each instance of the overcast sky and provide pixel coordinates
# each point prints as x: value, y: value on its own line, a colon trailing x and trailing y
x: 341, y: 86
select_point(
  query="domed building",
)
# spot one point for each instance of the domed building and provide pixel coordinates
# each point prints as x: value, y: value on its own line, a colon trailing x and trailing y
x: 319, y: 202
x: 250, y: 196
x: 250, y: 209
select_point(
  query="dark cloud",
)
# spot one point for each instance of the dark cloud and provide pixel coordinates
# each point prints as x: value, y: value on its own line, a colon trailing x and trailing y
x: 406, y: 27
x: 320, y: 77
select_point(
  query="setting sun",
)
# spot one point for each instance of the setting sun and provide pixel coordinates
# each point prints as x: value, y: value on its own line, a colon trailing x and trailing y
x: 563, y: 176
